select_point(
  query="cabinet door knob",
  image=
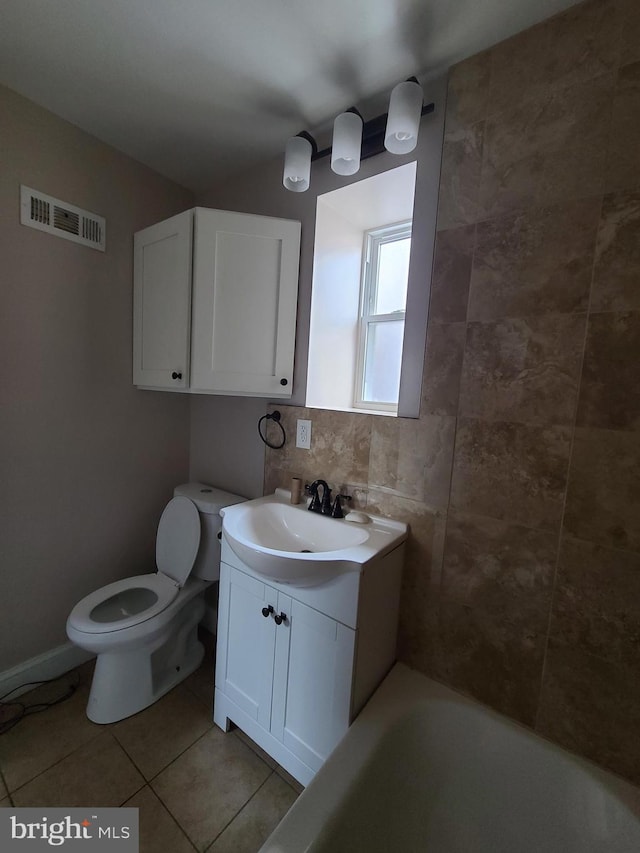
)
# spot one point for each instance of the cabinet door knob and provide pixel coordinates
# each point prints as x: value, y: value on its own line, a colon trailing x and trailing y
x: 267, y: 611
x: 284, y: 381
x: 279, y: 618
x: 176, y: 375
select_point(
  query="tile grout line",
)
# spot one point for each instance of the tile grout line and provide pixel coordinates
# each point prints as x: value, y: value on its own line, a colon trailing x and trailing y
x: 241, y: 809
x: 57, y: 762
x: 165, y: 807
x: 137, y: 791
x: 450, y: 506
x: 6, y: 787
x: 574, y: 427
x: 173, y: 760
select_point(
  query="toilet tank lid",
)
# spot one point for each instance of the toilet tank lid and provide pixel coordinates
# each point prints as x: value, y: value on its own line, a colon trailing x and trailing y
x: 208, y: 499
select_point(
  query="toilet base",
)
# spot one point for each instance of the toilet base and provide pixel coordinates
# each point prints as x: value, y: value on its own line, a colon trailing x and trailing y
x: 125, y: 682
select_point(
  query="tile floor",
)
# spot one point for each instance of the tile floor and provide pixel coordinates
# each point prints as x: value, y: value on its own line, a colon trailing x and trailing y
x: 196, y: 787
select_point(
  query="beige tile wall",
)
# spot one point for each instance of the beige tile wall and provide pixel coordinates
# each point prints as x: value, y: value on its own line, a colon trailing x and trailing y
x: 521, y: 478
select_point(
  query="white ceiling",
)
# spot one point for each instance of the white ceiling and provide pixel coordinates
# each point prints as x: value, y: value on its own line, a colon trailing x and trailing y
x: 200, y: 89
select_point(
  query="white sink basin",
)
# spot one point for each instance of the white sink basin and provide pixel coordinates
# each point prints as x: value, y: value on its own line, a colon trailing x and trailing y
x: 291, y: 545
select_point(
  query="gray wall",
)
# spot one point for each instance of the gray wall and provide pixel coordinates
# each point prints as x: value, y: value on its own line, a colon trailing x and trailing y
x: 260, y: 191
x: 87, y: 461
x: 225, y: 448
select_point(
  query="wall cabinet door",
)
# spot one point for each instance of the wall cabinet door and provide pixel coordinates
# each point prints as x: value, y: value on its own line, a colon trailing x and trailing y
x: 312, y: 681
x: 246, y: 643
x: 162, y: 303
x: 244, y: 303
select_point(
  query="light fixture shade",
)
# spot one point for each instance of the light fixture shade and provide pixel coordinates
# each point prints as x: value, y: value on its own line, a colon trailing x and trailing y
x: 403, y: 121
x: 297, y: 164
x: 347, y: 142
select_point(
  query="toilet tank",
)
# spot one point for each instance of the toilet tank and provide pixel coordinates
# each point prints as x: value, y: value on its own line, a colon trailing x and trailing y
x: 209, y: 501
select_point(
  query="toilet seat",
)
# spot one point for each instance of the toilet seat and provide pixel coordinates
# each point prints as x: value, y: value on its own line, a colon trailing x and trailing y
x: 136, y: 600
x: 128, y: 602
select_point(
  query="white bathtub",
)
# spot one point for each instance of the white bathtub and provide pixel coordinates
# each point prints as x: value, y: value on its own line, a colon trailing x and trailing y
x: 424, y: 769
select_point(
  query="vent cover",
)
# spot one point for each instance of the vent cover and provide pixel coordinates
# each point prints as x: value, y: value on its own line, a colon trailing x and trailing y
x: 45, y: 213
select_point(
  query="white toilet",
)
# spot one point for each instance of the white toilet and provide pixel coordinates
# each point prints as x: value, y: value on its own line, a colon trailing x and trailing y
x: 144, y: 629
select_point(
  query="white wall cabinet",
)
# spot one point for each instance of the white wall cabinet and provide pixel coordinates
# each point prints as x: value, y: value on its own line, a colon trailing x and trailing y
x: 215, y: 298
x: 162, y: 257
x: 291, y: 674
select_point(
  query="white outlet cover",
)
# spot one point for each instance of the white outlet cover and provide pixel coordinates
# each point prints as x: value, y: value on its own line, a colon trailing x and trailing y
x: 303, y: 434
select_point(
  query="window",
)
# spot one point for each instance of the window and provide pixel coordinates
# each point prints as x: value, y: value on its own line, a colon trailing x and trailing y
x: 345, y: 220
x: 383, y: 299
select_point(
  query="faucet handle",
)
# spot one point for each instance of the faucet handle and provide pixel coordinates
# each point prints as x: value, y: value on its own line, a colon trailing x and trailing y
x: 336, y: 511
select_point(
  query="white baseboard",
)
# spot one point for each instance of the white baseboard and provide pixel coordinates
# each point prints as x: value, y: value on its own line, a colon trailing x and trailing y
x: 51, y: 664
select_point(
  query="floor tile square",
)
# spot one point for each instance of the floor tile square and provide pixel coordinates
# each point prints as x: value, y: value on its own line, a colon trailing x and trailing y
x: 250, y: 829
x: 156, y: 736
x: 40, y: 740
x: 209, y: 783
x: 159, y: 833
x: 96, y: 774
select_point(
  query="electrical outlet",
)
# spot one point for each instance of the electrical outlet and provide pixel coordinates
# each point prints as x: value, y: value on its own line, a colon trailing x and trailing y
x: 303, y: 434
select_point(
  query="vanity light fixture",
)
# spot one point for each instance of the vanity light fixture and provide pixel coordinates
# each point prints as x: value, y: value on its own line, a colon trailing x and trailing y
x: 297, y: 162
x: 347, y: 142
x: 403, y: 120
x: 355, y: 140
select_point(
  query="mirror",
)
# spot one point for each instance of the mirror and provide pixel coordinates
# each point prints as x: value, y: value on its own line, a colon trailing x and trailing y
x: 359, y: 293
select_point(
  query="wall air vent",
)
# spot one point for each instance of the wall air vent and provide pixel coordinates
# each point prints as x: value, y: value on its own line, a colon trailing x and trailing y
x: 45, y: 213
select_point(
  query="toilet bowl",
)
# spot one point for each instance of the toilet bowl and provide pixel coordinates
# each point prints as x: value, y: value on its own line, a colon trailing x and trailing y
x: 143, y: 629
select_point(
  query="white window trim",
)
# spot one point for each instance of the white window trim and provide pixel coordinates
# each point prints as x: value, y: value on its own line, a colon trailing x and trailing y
x: 372, y: 241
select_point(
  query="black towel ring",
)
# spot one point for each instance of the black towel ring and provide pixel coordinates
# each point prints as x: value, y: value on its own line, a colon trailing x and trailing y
x: 274, y: 416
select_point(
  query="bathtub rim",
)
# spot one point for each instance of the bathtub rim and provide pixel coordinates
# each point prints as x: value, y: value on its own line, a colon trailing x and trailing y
x: 401, y: 691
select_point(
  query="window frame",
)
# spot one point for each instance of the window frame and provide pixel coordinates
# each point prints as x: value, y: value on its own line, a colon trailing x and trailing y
x: 373, y: 239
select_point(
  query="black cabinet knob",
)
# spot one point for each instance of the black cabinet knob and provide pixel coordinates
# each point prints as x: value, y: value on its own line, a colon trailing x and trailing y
x: 280, y: 618
x: 176, y: 375
x: 284, y: 381
x: 220, y: 535
x: 267, y: 611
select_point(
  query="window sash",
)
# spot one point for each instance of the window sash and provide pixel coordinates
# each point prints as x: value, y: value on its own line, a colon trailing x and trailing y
x: 373, y: 240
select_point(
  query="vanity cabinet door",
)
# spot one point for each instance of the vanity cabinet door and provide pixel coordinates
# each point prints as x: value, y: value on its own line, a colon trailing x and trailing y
x: 162, y: 303
x: 246, y: 643
x: 244, y: 304
x: 312, y: 681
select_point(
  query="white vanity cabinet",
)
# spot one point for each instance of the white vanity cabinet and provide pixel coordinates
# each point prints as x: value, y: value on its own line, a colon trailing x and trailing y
x: 215, y: 298
x: 294, y: 665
